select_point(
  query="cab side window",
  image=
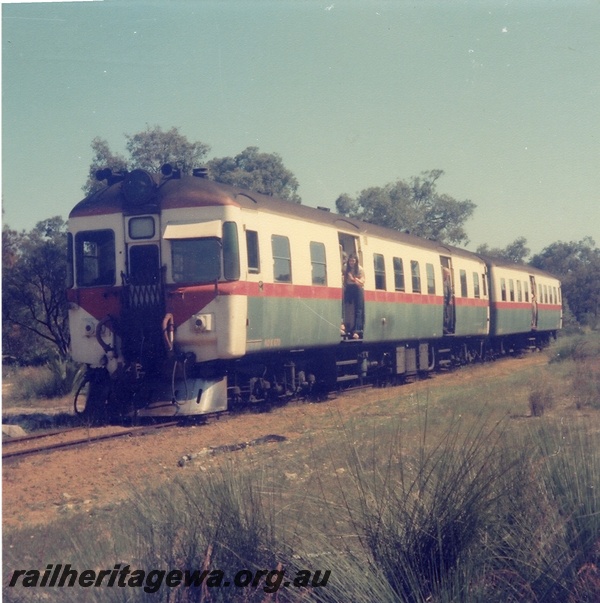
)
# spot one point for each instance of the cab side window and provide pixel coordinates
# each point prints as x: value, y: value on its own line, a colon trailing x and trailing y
x: 252, y: 251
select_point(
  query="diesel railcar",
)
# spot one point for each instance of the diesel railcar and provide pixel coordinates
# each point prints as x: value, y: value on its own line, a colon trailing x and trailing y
x: 187, y: 296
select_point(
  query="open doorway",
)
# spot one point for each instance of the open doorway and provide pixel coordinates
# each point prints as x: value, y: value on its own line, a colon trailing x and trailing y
x: 353, y: 279
x: 534, y: 303
x: 449, y: 298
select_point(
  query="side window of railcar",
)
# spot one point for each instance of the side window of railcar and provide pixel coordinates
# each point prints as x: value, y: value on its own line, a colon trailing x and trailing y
x: 463, y: 283
x: 519, y: 292
x: 430, y: 279
x: 252, y: 251
x: 476, y: 285
x: 318, y: 263
x: 415, y: 272
x: 503, y: 289
x: 95, y: 258
x: 484, y: 284
x: 196, y: 260
x: 231, y: 251
x: 282, y: 259
x: 379, y: 267
x: 398, y: 274
x: 526, y: 289
x: 511, y: 289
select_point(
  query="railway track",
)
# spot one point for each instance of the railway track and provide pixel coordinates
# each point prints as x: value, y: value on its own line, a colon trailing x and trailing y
x: 8, y: 451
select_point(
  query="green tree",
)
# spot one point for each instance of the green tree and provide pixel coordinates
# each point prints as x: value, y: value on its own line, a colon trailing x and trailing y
x: 148, y: 150
x: 414, y: 206
x: 152, y: 148
x: 260, y: 172
x: 577, y: 264
x: 103, y: 158
x: 33, y: 290
x: 516, y: 252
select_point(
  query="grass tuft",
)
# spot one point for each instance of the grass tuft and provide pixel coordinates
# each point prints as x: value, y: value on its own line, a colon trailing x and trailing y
x: 541, y: 397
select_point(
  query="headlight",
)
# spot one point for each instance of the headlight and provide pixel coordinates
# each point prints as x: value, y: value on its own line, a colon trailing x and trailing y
x: 89, y: 328
x: 203, y: 323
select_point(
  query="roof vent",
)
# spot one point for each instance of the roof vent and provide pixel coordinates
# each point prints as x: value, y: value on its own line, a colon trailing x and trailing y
x: 201, y: 172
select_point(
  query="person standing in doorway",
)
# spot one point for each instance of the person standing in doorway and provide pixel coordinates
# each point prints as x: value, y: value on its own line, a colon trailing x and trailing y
x: 354, y: 299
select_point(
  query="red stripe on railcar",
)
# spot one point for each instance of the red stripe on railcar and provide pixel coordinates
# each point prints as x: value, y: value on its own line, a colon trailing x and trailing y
x: 505, y: 305
x: 98, y: 302
x: 471, y: 302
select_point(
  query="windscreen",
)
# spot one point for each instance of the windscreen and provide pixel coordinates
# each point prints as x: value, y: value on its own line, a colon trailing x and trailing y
x: 95, y: 258
x: 196, y: 260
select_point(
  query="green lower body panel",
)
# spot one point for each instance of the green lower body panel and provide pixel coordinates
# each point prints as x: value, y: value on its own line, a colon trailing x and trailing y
x: 283, y: 323
x: 471, y: 321
x: 290, y: 322
x: 400, y: 322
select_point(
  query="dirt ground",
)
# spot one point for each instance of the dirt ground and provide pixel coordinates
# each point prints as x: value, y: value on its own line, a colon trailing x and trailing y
x: 40, y: 488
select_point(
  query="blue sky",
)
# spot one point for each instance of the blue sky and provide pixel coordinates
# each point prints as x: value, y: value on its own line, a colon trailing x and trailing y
x: 504, y: 96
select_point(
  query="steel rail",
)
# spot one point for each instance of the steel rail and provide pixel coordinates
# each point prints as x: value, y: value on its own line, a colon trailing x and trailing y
x: 38, y: 436
x: 88, y: 440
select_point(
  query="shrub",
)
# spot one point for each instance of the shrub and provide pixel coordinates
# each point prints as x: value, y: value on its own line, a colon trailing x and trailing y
x: 585, y: 383
x: 56, y: 378
x: 541, y: 397
x: 577, y: 348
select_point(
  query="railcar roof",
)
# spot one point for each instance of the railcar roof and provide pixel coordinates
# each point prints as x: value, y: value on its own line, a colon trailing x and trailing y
x: 502, y: 263
x: 191, y: 191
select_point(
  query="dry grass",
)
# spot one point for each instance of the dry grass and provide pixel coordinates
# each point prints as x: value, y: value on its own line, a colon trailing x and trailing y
x: 442, y: 494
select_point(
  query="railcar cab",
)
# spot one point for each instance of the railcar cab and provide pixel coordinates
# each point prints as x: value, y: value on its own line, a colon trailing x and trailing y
x: 134, y: 247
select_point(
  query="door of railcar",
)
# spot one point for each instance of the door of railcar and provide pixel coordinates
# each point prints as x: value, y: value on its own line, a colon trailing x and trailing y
x: 449, y: 301
x: 534, y: 303
x: 350, y: 245
x: 143, y: 305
